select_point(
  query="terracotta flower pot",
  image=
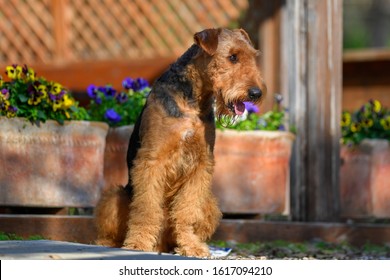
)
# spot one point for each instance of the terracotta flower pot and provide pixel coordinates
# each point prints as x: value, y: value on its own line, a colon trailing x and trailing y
x: 52, y: 165
x: 365, y: 180
x: 115, y: 163
x: 252, y: 171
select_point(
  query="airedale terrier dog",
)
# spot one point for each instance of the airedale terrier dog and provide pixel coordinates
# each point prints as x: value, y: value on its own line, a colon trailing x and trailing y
x: 168, y: 204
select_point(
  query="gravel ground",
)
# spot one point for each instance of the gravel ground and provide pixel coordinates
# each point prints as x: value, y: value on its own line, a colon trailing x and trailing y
x: 315, y: 250
x: 279, y: 250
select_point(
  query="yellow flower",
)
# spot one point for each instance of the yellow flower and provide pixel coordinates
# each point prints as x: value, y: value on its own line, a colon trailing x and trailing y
x: 3, y: 104
x: 19, y: 72
x: 43, y: 90
x: 6, y: 104
x: 30, y: 75
x: 376, y: 106
x: 4, y: 93
x: 37, y: 96
x: 56, y: 88
x: 11, y: 113
x: 367, y: 123
x: 34, y: 101
x: 355, y: 127
x: 11, y: 72
x: 346, y: 119
x: 56, y: 105
x: 1, y: 81
x: 385, y: 123
x: 67, y: 102
x: 64, y: 104
x: 14, y: 72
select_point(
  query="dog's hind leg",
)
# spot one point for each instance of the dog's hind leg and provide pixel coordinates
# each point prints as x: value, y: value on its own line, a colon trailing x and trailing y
x: 111, y: 215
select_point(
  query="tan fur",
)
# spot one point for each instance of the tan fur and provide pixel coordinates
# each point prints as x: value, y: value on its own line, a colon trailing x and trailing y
x: 172, y: 207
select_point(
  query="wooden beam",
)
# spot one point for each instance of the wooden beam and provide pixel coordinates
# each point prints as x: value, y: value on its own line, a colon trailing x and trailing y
x: 312, y: 54
x: 63, y: 228
x: 78, y: 75
x: 82, y: 229
x: 262, y: 231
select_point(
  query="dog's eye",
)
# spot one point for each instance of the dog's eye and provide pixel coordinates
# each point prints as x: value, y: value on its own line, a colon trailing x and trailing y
x: 233, y: 58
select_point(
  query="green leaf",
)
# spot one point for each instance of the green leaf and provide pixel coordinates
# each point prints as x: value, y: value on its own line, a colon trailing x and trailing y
x: 41, y: 115
x: 23, y: 98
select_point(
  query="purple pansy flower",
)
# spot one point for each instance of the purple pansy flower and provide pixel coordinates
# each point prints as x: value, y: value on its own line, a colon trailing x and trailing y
x: 52, y: 97
x: 12, y: 109
x: 140, y: 84
x: 102, y: 89
x: 128, y: 83
x: 109, y: 91
x: 136, y: 85
x: 122, y: 97
x: 112, y: 116
x: 92, y: 91
x: 5, y: 93
x: 55, y: 97
x: 251, y: 108
x: 61, y: 94
x: 98, y: 100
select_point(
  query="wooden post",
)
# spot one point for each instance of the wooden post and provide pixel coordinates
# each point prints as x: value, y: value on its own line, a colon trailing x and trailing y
x: 262, y: 22
x: 61, y: 17
x: 312, y: 59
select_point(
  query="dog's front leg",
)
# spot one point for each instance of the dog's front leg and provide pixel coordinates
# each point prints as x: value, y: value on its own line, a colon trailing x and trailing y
x: 146, y: 211
x: 195, y: 214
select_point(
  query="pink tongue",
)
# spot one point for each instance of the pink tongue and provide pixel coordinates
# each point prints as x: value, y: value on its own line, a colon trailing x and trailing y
x: 239, y: 108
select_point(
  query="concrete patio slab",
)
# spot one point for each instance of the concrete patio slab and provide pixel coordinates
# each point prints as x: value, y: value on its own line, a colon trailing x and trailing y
x: 58, y: 250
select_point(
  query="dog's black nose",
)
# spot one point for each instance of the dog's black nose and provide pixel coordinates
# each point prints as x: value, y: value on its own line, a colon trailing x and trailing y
x: 254, y: 93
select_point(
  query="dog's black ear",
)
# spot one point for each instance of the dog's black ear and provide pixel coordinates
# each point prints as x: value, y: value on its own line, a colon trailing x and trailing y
x: 208, y: 40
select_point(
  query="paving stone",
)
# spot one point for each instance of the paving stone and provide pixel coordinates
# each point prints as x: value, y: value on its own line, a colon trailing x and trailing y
x: 48, y: 249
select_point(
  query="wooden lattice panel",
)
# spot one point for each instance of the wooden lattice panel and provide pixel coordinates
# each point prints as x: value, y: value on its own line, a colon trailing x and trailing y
x: 26, y: 31
x: 143, y: 28
x: 54, y: 31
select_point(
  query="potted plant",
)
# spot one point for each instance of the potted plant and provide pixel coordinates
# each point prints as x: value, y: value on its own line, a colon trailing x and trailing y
x: 49, y: 156
x: 365, y: 168
x: 120, y: 110
x: 252, y: 157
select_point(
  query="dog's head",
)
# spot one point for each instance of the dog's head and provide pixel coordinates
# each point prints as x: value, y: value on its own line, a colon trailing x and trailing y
x: 232, y: 65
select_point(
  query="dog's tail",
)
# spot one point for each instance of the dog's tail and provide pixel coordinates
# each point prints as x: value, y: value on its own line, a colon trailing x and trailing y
x: 111, y: 216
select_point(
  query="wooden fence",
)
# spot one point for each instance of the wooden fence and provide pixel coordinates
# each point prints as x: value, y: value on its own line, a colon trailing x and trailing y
x: 81, y: 41
x: 51, y: 31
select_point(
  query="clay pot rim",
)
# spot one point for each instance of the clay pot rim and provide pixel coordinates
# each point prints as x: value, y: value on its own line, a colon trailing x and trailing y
x: 102, y: 125
x: 122, y: 127
x: 258, y: 133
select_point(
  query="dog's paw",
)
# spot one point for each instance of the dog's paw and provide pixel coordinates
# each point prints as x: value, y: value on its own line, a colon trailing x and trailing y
x: 137, y: 246
x: 107, y: 243
x: 198, y: 250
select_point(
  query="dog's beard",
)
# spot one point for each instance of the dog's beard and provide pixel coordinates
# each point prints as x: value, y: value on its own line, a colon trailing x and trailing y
x: 227, y: 121
x: 225, y: 113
